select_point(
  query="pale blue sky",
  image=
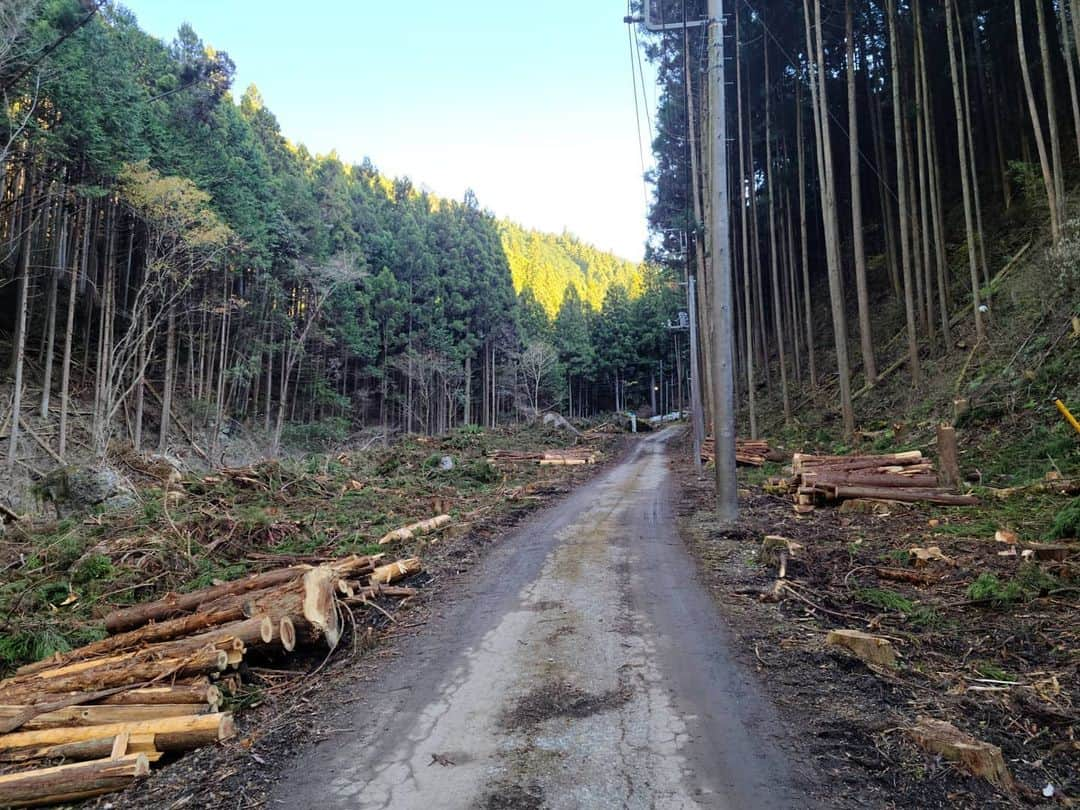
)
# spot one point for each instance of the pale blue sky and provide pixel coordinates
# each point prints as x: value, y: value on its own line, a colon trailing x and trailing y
x: 529, y: 104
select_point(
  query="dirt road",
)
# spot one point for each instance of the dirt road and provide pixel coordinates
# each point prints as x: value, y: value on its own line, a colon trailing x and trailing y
x: 585, y: 667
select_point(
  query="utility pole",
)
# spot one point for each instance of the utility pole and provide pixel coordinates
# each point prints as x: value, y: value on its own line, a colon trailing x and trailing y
x: 727, y: 502
x: 723, y: 332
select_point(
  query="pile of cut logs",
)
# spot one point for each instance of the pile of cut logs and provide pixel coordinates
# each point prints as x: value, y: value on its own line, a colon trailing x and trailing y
x: 907, y: 477
x: 109, y: 710
x: 569, y: 457
x: 748, y: 452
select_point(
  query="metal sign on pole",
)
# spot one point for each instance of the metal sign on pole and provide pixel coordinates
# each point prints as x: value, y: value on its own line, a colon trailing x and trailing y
x: 654, y: 20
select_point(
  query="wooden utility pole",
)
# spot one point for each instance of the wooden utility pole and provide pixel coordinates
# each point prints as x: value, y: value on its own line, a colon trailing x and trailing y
x: 727, y: 504
x: 696, y: 416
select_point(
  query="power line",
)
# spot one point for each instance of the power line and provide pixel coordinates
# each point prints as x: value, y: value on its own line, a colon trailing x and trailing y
x: 637, y: 118
x: 641, y: 73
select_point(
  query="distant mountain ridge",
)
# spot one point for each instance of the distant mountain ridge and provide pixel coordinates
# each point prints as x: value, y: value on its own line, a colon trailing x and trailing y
x: 547, y: 264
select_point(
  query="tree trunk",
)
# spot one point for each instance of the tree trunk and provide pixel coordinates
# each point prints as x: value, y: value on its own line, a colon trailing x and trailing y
x: 51, y: 315
x: 1049, y: 179
x: 774, y: 271
x: 961, y: 137
x: 78, y: 268
x: 808, y: 314
x: 1051, y: 111
x: 21, y: 322
x: 820, y: 103
x: 902, y: 188
x: 866, y: 336
x: 748, y: 321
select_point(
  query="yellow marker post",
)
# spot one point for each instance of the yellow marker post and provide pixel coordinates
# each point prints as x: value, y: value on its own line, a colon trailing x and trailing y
x: 1068, y: 416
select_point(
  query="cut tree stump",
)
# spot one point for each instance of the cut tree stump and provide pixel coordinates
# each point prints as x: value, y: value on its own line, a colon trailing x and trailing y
x: 948, y: 457
x: 868, y: 648
x: 974, y: 756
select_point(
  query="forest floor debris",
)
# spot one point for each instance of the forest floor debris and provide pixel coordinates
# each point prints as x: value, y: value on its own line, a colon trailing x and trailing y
x: 982, y: 640
x: 251, y: 522
x: 748, y: 452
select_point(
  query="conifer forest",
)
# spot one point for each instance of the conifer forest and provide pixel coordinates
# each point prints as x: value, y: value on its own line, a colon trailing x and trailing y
x: 320, y: 487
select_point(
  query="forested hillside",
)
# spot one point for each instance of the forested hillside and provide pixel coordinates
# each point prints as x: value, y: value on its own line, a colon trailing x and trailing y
x: 167, y: 250
x: 902, y: 211
x: 548, y: 265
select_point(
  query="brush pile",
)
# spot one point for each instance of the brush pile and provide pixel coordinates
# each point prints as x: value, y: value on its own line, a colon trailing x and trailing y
x: 571, y: 456
x: 156, y: 685
x: 907, y: 477
x: 748, y: 452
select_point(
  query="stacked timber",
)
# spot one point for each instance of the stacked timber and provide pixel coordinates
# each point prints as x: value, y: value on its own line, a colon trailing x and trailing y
x: 93, y: 720
x: 907, y: 477
x: 571, y: 456
x: 748, y: 452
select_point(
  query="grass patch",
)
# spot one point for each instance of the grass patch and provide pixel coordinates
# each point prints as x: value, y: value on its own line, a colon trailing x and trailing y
x: 885, y: 599
x: 1029, y: 582
x: 757, y: 476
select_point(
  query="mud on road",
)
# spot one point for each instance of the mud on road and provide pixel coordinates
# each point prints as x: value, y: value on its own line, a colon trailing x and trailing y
x: 584, y: 666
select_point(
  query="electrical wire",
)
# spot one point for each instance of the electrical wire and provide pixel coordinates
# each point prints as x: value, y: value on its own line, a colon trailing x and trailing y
x: 637, y: 115
x: 641, y: 73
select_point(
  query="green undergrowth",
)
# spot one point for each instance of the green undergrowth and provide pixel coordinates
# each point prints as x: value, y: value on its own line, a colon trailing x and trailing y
x: 756, y: 476
x: 1010, y: 433
x: 1029, y: 581
x: 1034, y: 518
x: 888, y: 600
x: 61, y: 576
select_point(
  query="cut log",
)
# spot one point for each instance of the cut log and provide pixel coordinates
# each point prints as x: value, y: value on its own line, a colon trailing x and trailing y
x: 356, y: 565
x: 104, y: 747
x: 122, y: 674
x: 907, y: 575
x: 68, y: 783
x: 1052, y: 553
x: 1055, y: 487
x: 149, y: 634
x: 287, y: 633
x: 803, y: 461
x: 858, y: 478
x: 870, y: 649
x: 387, y: 574
x: 102, y: 715
x: 866, y: 506
x: 218, y: 726
x: 321, y: 605
x: 197, y: 692
x: 175, y: 604
x: 365, y: 593
x: 913, y: 495
x: 415, y: 530
x: 974, y: 756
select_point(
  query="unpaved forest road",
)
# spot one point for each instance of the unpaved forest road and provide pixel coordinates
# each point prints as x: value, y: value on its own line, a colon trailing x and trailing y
x: 585, y: 667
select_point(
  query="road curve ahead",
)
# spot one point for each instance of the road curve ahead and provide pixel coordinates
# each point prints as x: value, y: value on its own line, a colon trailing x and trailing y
x: 583, y: 667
